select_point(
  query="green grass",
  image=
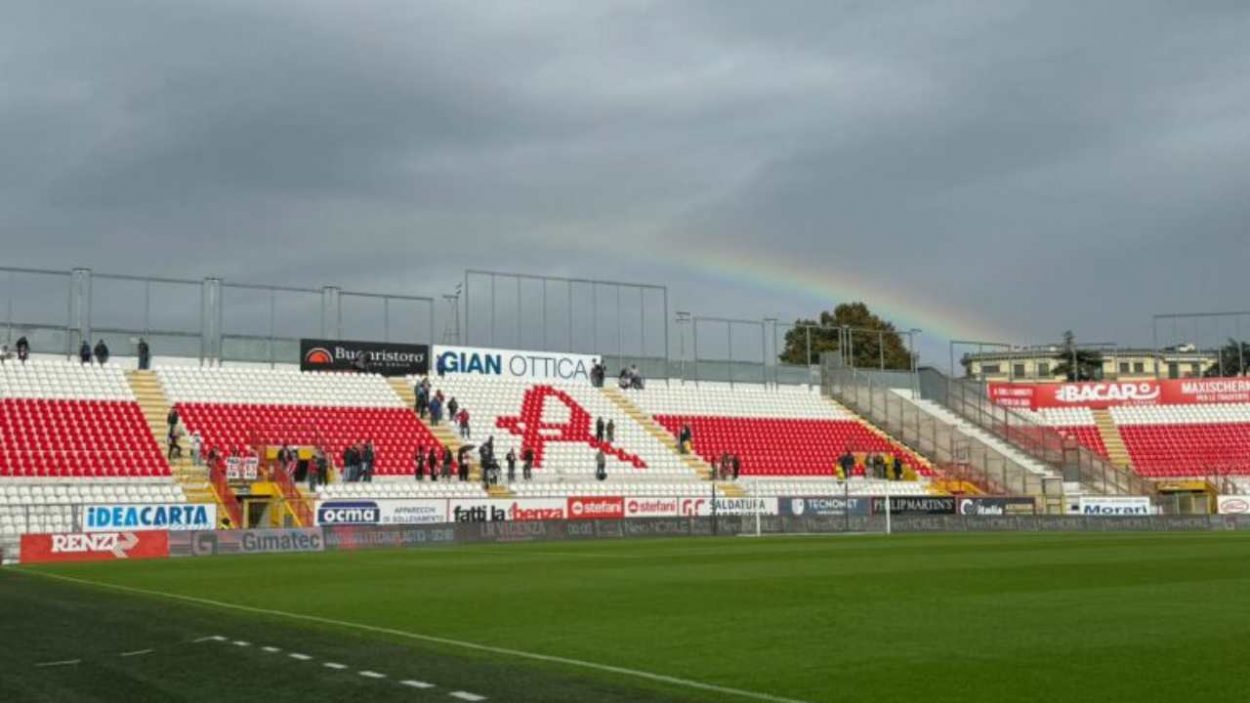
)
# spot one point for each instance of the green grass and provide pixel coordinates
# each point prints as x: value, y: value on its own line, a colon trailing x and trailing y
x: 1110, y: 617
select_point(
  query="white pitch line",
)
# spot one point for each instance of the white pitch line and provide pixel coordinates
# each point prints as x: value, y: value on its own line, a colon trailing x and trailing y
x: 466, y: 696
x: 473, y: 646
x: 415, y: 684
x: 335, y: 665
x: 136, y: 653
x: 301, y: 657
x: 372, y: 675
x: 271, y: 650
x: 242, y: 643
x: 210, y: 638
x: 66, y: 662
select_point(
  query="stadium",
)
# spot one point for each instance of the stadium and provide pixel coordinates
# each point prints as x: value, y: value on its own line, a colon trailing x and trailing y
x: 623, y: 352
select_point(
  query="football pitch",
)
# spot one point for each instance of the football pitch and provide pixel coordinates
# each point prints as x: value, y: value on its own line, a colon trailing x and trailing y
x: 1132, y: 617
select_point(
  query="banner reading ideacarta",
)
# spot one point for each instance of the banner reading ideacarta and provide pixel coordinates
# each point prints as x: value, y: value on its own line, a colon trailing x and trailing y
x: 1099, y: 395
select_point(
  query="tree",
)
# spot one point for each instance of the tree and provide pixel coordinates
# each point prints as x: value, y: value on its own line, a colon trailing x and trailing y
x: 1077, y: 364
x: 870, y: 335
x: 1234, y: 360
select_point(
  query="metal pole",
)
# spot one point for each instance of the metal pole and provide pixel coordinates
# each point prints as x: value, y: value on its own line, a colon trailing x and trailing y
x: 9, y: 313
x: 763, y: 354
x: 519, y: 344
x: 569, y: 287
x: 147, y: 308
x: 620, y: 330
x: 807, y: 360
x: 881, y: 347
x: 492, y: 310
x: 386, y: 319
x: 850, y: 345
x: 642, y: 323
x: 667, y: 354
x: 594, y: 319
x: 272, y: 305
x: 694, y: 326
x: 544, y: 282
x: 729, y: 330
x: 466, y: 313
x: 1241, y: 350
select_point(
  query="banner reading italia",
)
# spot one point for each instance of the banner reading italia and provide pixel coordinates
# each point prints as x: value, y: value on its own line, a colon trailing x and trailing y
x: 1100, y: 395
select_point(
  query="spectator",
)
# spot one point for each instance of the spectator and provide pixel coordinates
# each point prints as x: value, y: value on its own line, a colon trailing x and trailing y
x: 624, y: 380
x: 846, y: 463
x: 527, y: 463
x: 367, y: 461
x: 462, y: 463
x: 197, y: 446
x: 422, y: 393
x: 684, y: 439
x: 597, y: 372
x: 316, y: 469
x: 101, y: 352
x: 635, y: 377
x: 172, y: 418
x: 23, y: 349
x: 145, y: 358
x: 351, y: 463
x: 447, y: 459
x: 737, y: 464
x: 601, y: 465
x: 175, y: 450
x: 419, y: 461
x: 436, y: 409
x: 898, y: 469
x: 84, y: 352
x: 432, y: 463
x: 5, y: 354
x: 878, y: 466
x: 463, y: 420
x: 725, y: 466
x: 599, y: 428
x: 511, y: 459
x: 611, y: 430
x: 453, y: 408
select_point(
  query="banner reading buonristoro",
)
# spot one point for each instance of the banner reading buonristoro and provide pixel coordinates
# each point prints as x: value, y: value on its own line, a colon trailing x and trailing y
x: 385, y: 358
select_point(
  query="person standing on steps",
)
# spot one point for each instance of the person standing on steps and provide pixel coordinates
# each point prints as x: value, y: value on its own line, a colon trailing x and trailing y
x: 511, y: 459
x: 145, y: 357
x: 611, y: 430
x: 599, y: 429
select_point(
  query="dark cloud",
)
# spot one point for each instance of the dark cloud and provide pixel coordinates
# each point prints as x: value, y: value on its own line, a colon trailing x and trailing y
x: 1039, y: 166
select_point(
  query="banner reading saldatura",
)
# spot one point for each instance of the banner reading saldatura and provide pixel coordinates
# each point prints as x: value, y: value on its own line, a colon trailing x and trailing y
x: 385, y: 358
x: 512, y: 363
x: 1099, y: 395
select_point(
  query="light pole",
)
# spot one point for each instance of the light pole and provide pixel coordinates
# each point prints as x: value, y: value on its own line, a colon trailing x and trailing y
x: 682, y: 320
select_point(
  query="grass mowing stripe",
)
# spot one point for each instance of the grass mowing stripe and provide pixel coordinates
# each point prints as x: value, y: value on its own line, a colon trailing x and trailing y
x: 521, y: 654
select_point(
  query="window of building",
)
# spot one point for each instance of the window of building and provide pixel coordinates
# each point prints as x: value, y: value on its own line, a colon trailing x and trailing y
x: 1124, y: 367
x: 1043, y: 370
x: 1195, y: 370
x: 990, y: 368
x: 1174, y: 370
x: 1018, y: 369
x: 1139, y: 367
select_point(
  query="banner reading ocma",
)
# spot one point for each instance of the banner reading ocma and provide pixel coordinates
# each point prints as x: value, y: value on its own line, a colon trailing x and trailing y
x: 385, y: 358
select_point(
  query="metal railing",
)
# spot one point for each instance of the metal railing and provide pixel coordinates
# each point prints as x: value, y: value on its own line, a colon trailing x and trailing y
x: 969, y: 399
x: 939, y: 441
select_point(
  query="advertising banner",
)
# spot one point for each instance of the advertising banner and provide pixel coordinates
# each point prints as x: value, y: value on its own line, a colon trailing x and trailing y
x: 385, y: 358
x: 705, y: 507
x: 1099, y: 395
x: 381, y: 512
x: 507, y: 510
x: 356, y: 537
x: 823, y: 505
x: 511, y: 363
x: 1102, y: 506
x: 242, y: 468
x: 596, y: 508
x: 651, y: 507
x: 915, y: 505
x: 94, y: 546
x: 150, y: 516
x: 997, y: 506
x: 1233, y: 505
x: 206, y: 543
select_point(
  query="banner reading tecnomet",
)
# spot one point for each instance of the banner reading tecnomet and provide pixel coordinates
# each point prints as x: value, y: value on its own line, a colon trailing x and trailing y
x: 511, y: 363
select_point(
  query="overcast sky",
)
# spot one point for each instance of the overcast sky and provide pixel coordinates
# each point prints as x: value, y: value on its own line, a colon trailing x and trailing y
x: 970, y: 168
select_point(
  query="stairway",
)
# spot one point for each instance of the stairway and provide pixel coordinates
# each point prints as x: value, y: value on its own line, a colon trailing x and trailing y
x: 692, y: 461
x: 730, y: 490
x: 1117, y: 452
x: 151, y: 396
x: 444, y: 433
x: 924, y: 461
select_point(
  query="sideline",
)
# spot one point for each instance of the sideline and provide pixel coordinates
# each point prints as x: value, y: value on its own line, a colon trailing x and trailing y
x: 518, y: 653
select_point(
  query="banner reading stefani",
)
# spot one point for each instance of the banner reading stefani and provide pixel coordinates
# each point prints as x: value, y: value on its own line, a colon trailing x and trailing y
x: 95, y: 546
x: 385, y: 358
x: 511, y: 363
x: 596, y: 508
x: 1195, y: 391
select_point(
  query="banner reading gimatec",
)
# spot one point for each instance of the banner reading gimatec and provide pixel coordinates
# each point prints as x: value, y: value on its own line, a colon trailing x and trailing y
x: 1100, y: 395
x: 511, y: 363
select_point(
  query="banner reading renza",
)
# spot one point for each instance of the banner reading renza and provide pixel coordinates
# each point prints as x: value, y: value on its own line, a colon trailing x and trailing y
x: 94, y: 546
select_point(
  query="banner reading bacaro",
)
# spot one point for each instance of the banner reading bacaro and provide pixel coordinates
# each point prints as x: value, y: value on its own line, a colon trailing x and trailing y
x: 1099, y: 395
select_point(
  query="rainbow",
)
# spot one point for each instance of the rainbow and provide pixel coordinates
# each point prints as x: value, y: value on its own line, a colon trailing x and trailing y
x: 822, y: 285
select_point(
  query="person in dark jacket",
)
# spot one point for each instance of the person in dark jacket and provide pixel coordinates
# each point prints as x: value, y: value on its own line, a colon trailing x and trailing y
x: 447, y: 459
x: 419, y: 458
x: 684, y: 439
x: 145, y: 357
x: 599, y: 429
x: 101, y: 352
x: 737, y: 463
x: 527, y: 463
x: 84, y: 352
x: 611, y: 431
x: 453, y: 409
x: 601, y: 465
x: 847, y: 463
x: 366, y: 461
x: 23, y: 349
x: 511, y: 459
x: 172, y: 418
x: 432, y: 463
x: 462, y: 463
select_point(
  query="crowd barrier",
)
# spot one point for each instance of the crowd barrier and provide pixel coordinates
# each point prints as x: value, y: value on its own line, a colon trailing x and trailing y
x: 199, y: 543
